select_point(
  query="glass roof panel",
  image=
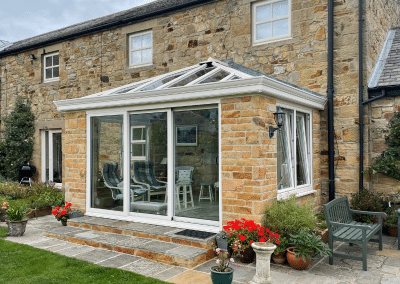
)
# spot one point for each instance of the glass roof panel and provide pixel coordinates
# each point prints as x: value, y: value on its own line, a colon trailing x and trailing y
x: 216, y: 77
x: 127, y: 89
x: 163, y: 81
x: 192, y: 77
x: 234, y: 78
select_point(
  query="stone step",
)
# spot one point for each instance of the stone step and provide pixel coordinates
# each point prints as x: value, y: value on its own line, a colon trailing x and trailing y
x: 168, y: 252
x: 162, y: 233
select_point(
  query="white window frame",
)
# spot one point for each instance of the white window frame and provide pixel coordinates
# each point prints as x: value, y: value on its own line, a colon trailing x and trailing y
x: 146, y: 134
x: 271, y: 39
x: 304, y: 189
x: 47, y: 151
x: 139, y: 49
x: 45, y: 79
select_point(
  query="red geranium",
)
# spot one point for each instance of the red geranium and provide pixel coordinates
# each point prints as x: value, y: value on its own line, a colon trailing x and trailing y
x: 62, y: 214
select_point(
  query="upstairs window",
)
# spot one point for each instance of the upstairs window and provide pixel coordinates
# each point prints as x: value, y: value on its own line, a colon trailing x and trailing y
x: 271, y: 20
x: 51, y: 67
x: 140, y: 49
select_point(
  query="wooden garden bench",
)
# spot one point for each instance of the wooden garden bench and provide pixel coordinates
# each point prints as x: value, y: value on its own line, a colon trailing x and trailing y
x: 342, y: 227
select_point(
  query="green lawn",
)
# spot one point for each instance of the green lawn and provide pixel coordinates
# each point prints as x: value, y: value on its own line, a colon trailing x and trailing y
x: 24, y: 264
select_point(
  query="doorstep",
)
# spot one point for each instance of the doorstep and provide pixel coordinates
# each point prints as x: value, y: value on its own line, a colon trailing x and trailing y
x: 158, y: 243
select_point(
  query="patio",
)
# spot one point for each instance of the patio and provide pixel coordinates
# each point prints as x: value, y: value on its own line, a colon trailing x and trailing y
x: 383, y: 266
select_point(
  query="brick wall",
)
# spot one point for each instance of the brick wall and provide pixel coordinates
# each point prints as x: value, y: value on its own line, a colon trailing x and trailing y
x: 74, y: 162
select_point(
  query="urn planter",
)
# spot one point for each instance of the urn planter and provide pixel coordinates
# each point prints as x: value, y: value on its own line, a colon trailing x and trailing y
x: 279, y: 258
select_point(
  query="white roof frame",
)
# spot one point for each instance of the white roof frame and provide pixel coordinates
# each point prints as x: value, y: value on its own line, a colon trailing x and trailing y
x: 194, y: 90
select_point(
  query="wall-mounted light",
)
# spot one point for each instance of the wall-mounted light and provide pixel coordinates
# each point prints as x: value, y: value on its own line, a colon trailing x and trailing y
x: 279, y: 117
x: 32, y: 56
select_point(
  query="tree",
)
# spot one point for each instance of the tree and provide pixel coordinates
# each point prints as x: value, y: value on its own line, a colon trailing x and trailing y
x: 17, y: 146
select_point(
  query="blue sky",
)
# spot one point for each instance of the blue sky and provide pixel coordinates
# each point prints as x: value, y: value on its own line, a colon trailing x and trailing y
x: 21, y: 19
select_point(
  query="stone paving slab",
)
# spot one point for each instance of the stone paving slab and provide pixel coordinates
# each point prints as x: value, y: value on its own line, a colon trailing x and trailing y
x: 75, y: 250
x: 389, y: 253
x: 46, y: 243
x: 97, y: 255
x: 146, y: 267
x: 119, y: 260
x: 185, y: 252
x: 170, y: 273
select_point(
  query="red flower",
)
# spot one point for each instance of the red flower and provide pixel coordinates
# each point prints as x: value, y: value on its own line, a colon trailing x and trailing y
x: 261, y: 233
x: 262, y: 240
x: 277, y: 242
x: 242, y: 238
x: 58, y: 208
x: 251, y: 242
x: 54, y: 212
x: 63, y: 212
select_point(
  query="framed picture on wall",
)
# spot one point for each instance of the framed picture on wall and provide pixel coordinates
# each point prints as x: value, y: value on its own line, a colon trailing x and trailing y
x: 186, y: 135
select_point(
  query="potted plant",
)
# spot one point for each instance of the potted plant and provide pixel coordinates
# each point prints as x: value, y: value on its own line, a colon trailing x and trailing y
x: 306, y: 246
x: 62, y: 214
x: 242, y: 233
x: 279, y: 255
x: 322, y: 228
x: 222, y: 273
x: 392, y: 222
x: 16, y: 221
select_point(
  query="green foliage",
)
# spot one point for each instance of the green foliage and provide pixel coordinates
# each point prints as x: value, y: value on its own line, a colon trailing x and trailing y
x: 308, y: 244
x: 3, y: 232
x: 392, y: 219
x: 366, y: 200
x: 389, y: 161
x: 17, y: 147
x: 38, y: 196
x: 288, y: 217
x: 16, y: 214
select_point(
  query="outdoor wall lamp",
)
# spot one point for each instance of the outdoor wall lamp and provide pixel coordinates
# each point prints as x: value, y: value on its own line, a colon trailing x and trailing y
x: 279, y: 116
x: 32, y: 56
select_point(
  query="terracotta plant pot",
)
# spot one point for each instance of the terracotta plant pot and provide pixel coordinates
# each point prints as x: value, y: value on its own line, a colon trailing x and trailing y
x: 324, y: 235
x: 294, y: 263
x: 279, y: 258
x: 393, y: 231
x: 247, y: 255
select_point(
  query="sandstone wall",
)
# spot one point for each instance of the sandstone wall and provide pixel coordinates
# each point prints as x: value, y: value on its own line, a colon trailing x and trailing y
x: 221, y: 30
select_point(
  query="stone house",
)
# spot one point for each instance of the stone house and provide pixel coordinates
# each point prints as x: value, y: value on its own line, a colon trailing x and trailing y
x: 188, y: 89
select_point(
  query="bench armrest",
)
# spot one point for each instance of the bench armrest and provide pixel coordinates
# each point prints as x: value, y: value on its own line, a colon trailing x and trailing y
x: 368, y: 213
x: 367, y: 227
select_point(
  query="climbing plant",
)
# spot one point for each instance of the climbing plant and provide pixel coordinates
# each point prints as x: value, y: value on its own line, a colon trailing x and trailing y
x: 389, y: 161
x: 16, y: 146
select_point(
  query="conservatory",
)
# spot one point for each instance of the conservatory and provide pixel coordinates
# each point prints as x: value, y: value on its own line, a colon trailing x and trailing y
x: 193, y: 147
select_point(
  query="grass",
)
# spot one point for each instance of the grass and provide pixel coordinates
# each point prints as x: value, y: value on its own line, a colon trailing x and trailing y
x: 24, y: 264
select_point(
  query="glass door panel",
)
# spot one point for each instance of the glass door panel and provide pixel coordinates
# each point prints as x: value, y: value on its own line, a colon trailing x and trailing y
x: 107, y: 162
x: 196, y: 164
x: 148, y: 187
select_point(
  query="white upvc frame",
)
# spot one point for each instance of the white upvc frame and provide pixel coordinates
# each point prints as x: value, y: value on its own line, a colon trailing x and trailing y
x: 130, y: 50
x: 52, y: 79
x: 146, y: 134
x: 254, y: 23
x: 305, y: 189
x: 169, y: 219
x: 47, y: 151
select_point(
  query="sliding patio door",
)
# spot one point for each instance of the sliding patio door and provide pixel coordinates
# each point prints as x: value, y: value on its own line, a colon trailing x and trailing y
x: 196, y: 144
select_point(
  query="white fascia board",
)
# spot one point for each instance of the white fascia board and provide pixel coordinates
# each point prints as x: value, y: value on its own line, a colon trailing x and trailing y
x: 262, y: 85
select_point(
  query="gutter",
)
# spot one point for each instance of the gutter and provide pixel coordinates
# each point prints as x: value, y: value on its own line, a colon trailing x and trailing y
x: 361, y: 93
x: 102, y: 27
x: 330, y: 92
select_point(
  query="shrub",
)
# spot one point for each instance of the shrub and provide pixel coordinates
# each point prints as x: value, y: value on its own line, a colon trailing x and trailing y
x: 366, y: 201
x: 288, y: 217
x: 16, y: 214
x: 17, y: 147
x: 389, y: 161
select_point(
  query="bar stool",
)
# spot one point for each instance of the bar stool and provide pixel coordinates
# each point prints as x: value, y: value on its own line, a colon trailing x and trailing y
x: 210, y: 193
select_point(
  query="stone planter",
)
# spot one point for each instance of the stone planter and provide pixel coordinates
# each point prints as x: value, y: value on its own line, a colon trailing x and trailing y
x: 294, y: 263
x: 263, y: 264
x: 221, y: 277
x: 34, y: 213
x: 222, y: 241
x: 16, y: 229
